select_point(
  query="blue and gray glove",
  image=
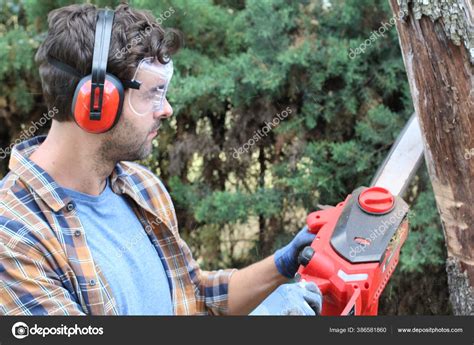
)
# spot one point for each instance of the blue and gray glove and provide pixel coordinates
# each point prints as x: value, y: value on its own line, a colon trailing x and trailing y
x: 286, y: 258
x: 303, y: 298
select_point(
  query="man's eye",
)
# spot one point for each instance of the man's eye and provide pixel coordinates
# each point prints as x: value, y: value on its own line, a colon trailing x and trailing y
x: 159, y: 88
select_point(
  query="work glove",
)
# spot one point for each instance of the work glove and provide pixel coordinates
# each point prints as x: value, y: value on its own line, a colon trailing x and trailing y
x: 286, y: 258
x: 303, y: 298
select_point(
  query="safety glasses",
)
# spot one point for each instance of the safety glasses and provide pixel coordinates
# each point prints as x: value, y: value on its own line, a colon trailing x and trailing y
x: 154, y: 79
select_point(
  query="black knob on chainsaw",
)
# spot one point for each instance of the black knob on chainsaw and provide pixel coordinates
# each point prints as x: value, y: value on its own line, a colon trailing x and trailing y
x: 305, y: 256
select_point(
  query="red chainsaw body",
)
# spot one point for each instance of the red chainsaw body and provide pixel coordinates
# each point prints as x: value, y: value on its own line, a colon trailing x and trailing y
x: 349, y: 288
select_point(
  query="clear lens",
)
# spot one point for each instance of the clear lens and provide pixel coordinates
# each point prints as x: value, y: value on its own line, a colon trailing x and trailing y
x: 154, y: 78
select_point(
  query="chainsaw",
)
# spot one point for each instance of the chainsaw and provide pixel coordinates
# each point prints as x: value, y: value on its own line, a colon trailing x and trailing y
x: 358, y: 241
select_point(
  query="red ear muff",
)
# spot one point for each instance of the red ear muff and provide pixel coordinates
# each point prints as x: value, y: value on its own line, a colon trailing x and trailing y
x: 111, y: 104
x: 97, y: 112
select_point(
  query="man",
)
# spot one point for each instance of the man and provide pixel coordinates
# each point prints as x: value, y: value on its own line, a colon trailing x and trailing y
x: 85, y: 231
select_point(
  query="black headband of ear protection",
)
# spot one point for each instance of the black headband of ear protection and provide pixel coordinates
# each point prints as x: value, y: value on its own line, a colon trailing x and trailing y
x: 103, y: 33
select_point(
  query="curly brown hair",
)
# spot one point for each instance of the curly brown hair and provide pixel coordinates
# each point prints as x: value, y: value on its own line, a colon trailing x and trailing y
x: 136, y: 34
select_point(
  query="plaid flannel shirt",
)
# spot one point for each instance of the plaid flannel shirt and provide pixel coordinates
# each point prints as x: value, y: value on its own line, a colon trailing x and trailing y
x: 46, y: 266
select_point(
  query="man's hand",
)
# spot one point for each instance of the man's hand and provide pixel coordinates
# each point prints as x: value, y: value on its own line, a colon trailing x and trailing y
x: 286, y: 258
x: 249, y: 286
x: 302, y: 298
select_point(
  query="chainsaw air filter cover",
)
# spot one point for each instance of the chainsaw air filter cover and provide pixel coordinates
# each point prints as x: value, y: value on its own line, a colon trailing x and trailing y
x: 363, y: 236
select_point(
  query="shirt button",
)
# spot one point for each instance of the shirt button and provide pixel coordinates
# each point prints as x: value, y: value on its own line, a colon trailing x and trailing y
x: 77, y: 233
x: 92, y: 282
x: 70, y: 206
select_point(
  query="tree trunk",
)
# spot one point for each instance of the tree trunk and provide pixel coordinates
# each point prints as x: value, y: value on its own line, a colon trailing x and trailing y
x: 433, y: 38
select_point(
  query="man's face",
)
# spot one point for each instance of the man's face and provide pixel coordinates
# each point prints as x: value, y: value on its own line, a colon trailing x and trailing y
x: 131, y: 138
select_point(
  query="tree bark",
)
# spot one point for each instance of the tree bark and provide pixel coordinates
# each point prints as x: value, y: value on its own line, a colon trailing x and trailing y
x: 437, y: 43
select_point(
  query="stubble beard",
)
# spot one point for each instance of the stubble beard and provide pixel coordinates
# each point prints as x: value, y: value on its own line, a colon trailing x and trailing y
x: 123, y: 143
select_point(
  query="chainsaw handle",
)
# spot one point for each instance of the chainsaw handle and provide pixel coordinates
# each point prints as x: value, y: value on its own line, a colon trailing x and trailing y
x: 305, y: 256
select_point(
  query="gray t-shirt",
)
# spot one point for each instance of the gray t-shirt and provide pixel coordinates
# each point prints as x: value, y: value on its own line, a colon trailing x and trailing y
x: 121, y: 248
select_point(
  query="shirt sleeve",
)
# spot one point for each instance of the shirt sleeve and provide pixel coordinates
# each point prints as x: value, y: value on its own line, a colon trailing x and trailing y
x: 212, y: 286
x: 29, y: 286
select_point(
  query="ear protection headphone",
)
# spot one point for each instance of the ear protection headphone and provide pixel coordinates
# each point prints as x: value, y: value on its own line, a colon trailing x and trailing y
x: 98, y: 98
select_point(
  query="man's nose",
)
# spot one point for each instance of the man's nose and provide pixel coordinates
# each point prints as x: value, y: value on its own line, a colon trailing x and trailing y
x: 166, y: 112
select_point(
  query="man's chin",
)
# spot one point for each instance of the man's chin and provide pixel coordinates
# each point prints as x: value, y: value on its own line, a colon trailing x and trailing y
x: 145, y: 152
x: 142, y: 153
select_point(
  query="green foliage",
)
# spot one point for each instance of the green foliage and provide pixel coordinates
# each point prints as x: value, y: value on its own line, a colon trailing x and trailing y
x: 222, y: 207
x: 17, y: 49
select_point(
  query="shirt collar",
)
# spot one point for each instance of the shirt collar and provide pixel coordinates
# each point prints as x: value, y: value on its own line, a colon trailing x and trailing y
x: 39, y: 181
